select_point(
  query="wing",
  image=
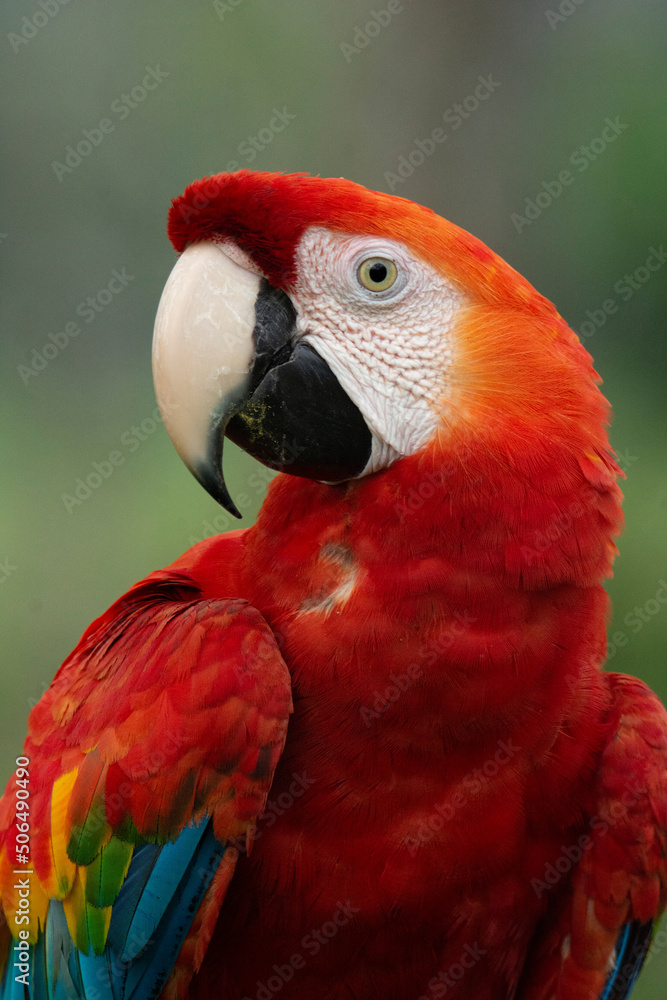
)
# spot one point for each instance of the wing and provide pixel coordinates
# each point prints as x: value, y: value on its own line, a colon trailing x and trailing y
x: 151, y: 752
x: 597, y: 939
x: 630, y: 953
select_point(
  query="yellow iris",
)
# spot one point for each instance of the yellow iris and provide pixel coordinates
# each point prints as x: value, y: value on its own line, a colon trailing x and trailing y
x: 377, y: 273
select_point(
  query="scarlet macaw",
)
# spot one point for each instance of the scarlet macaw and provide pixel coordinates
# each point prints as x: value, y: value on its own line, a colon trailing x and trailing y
x: 463, y: 803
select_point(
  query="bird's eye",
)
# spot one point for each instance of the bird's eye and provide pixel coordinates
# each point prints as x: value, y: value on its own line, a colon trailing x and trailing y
x: 377, y: 273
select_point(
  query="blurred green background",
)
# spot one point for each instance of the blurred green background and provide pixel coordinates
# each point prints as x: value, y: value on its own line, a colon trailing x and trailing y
x: 360, y: 100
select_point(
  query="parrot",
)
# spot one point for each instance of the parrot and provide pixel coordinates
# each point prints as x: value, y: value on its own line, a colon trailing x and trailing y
x: 365, y: 748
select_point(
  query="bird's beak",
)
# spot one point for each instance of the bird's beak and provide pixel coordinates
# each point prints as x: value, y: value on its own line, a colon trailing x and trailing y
x: 227, y: 360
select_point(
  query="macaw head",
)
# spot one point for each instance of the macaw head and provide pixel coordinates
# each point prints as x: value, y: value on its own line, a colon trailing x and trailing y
x: 332, y: 332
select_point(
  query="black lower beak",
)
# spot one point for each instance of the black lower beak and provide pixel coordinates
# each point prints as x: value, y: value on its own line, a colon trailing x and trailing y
x: 292, y: 414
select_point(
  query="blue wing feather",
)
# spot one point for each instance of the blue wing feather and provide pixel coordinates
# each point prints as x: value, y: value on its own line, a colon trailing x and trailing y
x: 156, y: 905
x: 138, y: 876
x: 151, y: 970
x: 631, y: 950
x: 172, y: 861
x: 39, y: 969
x: 96, y: 976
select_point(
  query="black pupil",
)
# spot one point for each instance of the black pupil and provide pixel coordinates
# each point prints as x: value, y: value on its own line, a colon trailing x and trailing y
x: 377, y: 273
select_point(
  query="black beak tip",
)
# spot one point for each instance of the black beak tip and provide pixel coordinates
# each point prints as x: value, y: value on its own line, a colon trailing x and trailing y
x: 214, y: 484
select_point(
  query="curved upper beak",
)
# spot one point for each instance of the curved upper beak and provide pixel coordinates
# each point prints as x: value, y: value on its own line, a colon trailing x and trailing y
x: 227, y: 360
x: 203, y: 354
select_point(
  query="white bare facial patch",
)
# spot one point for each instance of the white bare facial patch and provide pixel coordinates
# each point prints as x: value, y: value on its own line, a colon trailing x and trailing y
x: 391, y: 349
